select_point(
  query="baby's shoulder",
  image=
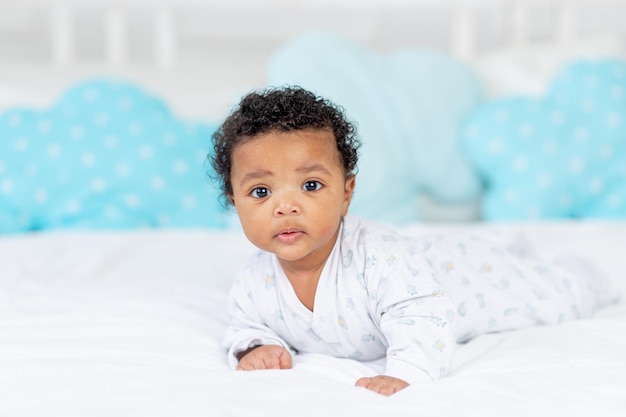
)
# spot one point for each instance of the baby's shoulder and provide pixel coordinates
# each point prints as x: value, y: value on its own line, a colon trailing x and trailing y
x: 367, y: 236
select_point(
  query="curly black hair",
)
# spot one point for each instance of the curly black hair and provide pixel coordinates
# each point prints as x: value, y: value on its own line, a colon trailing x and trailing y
x: 281, y: 109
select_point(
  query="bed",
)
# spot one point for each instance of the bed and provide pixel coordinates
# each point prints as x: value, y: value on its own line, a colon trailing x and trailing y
x: 115, y: 263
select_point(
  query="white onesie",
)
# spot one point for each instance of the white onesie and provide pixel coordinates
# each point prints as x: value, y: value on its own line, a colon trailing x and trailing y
x: 411, y: 300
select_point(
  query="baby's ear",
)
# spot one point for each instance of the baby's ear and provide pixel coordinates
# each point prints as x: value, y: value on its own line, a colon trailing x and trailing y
x: 348, y: 192
x: 350, y: 182
x: 231, y: 199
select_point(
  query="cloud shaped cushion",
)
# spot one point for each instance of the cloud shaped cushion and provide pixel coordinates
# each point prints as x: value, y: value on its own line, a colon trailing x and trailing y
x: 408, y: 106
x: 107, y: 155
x: 559, y: 156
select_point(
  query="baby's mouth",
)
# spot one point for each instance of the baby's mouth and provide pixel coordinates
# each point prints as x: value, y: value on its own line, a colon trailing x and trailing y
x: 289, y: 235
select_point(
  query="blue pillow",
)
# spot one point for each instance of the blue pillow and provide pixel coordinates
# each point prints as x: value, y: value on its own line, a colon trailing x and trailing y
x: 107, y: 155
x: 408, y: 105
x: 559, y: 156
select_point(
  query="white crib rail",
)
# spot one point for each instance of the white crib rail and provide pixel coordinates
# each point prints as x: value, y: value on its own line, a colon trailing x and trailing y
x: 115, y: 35
x: 166, y: 27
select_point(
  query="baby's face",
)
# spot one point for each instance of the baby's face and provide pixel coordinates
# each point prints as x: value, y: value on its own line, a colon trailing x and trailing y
x: 290, y: 192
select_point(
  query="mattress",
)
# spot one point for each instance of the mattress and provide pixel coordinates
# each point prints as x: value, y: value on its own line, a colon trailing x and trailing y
x: 129, y: 323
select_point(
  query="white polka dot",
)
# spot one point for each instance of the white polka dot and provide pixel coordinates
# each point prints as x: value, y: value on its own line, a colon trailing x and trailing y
x: 526, y: 130
x: 31, y: 170
x: 614, y: 201
x: 201, y: 155
x: 188, y: 201
x: 581, y: 134
x: 617, y: 92
x: 519, y: 164
x: 69, y: 112
x: 596, y: 185
x: 587, y: 105
x: 495, y: 146
x: 566, y: 201
x: 503, y: 115
x: 91, y: 95
x: 511, y: 196
x: 122, y: 169
x: 111, y: 211
x: 40, y: 196
x: 591, y: 81
x: 98, y: 185
x: 6, y: 186
x: 558, y: 117
x: 163, y: 219
x: 180, y: 167
x: 157, y: 183
x: 111, y: 142
x: 146, y: 152
x: 576, y: 165
x: 44, y: 126
x: 63, y: 177
x: 550, y: 147
x: 15, y: 121
x: 544, y: 180
x: 24, y: 220
x: 614, y: 120
x: 125, y: 103
x: 20, y: 144
x: 101, y: 119
x: 533, y: 106
x: 135, y: 129
x: 533, y: 212
x: 73, y: 206
x: 561, y: 98
x: 606, y: 151
x: 87, y: 159
x: 169, y: 139
x: 77, y: 132
x: 54, y: 150
x: 132, y: 200
x: 471, y: 131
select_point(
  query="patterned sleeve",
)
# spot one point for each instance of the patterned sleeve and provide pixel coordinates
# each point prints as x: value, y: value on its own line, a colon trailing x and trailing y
x: 246, y: 328
x: 416, y: 317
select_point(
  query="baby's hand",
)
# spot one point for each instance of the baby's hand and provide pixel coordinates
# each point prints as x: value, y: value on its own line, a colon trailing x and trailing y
x: 382, y: 384
x: 265, y: 357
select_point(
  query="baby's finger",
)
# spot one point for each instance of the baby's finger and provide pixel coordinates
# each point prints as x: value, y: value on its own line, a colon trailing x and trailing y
x: 382, y: 384
x: 386, y: 388
x: 363, y: 382
x: 378, y: 385
x: 247, y: 365
x: 271, y: 362
x: 284, y: 360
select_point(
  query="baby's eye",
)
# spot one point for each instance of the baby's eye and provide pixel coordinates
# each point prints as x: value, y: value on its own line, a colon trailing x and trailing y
x: 260, y: 192
x: 312, y: 186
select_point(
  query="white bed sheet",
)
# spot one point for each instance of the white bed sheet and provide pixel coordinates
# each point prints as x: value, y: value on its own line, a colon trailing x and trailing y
x: 129, y: 324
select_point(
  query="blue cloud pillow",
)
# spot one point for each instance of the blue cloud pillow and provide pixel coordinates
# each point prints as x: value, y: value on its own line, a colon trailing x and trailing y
x: 559, y: 156
x: 408, y: 105
x: 107, y: 155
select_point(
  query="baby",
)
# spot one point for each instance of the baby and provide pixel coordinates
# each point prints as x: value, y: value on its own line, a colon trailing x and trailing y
x: 328, y: 282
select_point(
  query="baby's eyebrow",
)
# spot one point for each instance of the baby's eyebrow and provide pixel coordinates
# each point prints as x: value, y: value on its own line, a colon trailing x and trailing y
x: 253, y: 175
x: 313, y: 167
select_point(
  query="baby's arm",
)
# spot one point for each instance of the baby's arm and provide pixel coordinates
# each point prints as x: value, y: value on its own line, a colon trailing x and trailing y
x: 252, y: 344
x: 421, y: 342
x: 264, y: 357
x: 417, y: 319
